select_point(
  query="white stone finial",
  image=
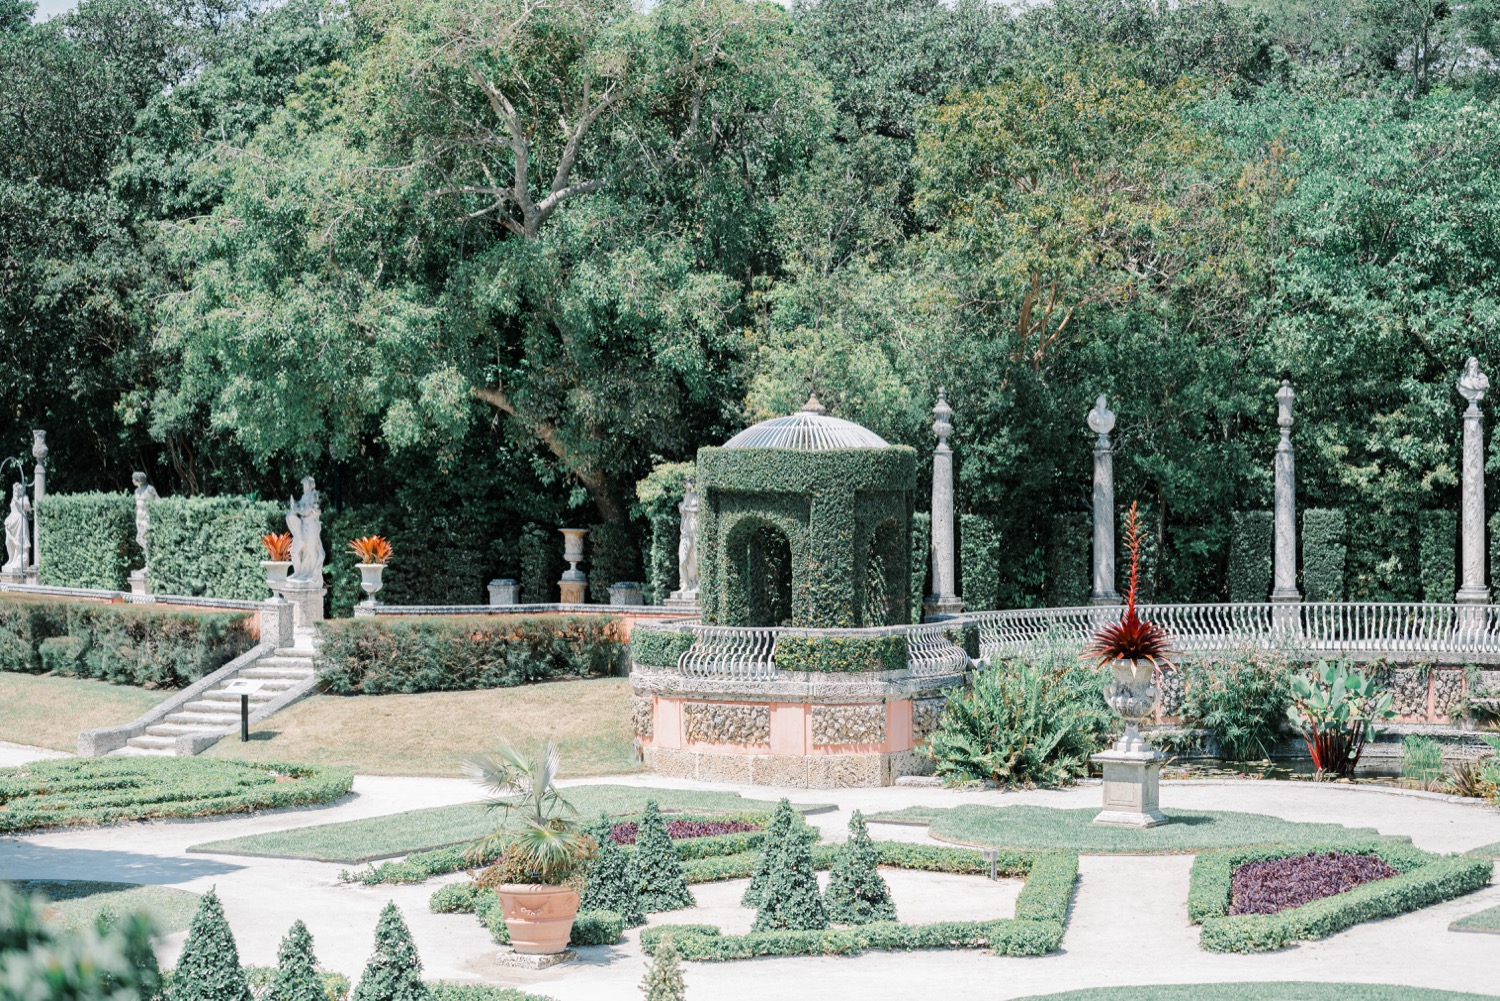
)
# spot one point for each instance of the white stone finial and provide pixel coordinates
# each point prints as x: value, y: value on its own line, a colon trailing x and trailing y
x: 1473, y: 384
x: 1284, y: 398
x: 1101, y: 418
x: 943, y: 425
x: 812, y: 406
x: 39, y: 445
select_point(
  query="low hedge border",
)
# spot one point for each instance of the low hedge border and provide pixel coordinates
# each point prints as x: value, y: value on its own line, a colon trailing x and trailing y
x: 1423, y: 879
x: 1037, y: 928
x: 658, y: 647
x: 76, y: 792
x: 841, y: 654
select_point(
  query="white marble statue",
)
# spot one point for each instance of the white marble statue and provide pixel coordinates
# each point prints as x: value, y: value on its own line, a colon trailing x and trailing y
x: 17, y: 533
x: 145, y: 493
x: 687, y: 545
x: 304, y: 519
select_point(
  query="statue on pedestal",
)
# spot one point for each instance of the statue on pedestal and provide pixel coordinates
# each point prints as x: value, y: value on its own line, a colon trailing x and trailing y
x: 145, y: 493
x: 304, y: 519
x: 17, y: 533
x: 687, y: 547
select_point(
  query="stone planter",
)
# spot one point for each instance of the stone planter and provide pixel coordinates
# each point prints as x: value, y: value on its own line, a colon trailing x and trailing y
x: 538, y: 917
x: 276, y: 573
x: 1134, y: 697
x: 504, y: 591
x: 626, y: 592
x: 573, y: 585
x: 1132, y: 770
x: 369, y: 579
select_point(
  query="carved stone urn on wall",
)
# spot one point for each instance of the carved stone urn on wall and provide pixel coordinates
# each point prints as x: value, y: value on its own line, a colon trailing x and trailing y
x: 573, y: 586
x: 369, y: 579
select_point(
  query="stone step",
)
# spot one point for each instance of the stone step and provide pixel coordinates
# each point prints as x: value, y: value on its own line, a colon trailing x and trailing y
x: 153, y: 743
x: 276, y: 673
x: 295, y: 652
x: 233, y: 698
x: 203, y: 718
x: 300, y: 663
x: 141, y: 752
x: 176, y: 729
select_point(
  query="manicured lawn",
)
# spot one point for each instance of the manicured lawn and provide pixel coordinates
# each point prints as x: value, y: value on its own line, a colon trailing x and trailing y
x: 1486, y: 851
x: 358, y: 841
x: 30, y: 703
x: 1074, y: 830
x: 69, y: 792
x: 1483, y: 921
x: 1261, y: 992
x: 77, y: 903
x: 431, y: 733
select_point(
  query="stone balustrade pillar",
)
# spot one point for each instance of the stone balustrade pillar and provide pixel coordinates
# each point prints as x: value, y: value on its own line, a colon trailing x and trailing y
x: 1472, y: 385
x: 38, y: 491
x: 1284, y: 588
x: 943, y: 600
x: 1102, y: 422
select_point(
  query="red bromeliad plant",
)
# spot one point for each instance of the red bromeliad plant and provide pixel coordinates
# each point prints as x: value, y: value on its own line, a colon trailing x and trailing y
x: 371, y: 549
x: 1132, y: 638
x: 278, y: 547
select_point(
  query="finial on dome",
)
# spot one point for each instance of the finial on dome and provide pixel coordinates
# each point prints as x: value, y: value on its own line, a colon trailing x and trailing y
x: 812, y: 406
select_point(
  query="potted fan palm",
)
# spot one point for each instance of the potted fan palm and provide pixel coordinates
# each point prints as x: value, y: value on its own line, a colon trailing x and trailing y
x: 374, y: 553
x: 1134, y: 650
x: 543, y: 853
x: 278, y: 561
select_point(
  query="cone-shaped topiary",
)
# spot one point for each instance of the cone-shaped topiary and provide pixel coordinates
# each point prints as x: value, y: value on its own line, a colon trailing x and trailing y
x: 297, y: 977
x: 394, y: 972
x: 856, y: 893
x: 790, y: 899
x: 783, y: 820
x: 658, y: 872
x: 612, y: 884
x: 664, y: 976
x: 209, y: 967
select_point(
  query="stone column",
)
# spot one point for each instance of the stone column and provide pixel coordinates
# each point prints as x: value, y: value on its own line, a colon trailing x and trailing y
x: 1472, y: 386
x: 38, y: 491
x: 943, y: 601
x: 1102, y: 422
x: 1284, y: 589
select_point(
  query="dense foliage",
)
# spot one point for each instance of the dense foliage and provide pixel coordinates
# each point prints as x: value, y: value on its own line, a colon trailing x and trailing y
x: 1270, y: 886
x: 394, y: 970
x: 658, y: 871
x: 1337, y: 709
x: 89, y: 540
x: 247, y: 240
x: 611, y: 883
x: 209, y: 967
x: 857, y: 895
x: 1243, y: 700
x: 41, y: 961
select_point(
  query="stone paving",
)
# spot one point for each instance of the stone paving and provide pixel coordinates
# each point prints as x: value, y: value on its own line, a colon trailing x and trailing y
x: 1128, y: 923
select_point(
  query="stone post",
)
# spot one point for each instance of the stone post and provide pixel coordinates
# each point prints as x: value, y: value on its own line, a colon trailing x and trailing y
x: 1102, y: 422
x: 1284, y: 588
x: 1472, y: 386
x: 943, y: 601
x: 38, y: 491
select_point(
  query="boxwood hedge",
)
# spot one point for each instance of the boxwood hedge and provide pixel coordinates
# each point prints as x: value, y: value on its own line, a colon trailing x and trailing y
x: 88, y: 539
x: 211, y: 545
x: 73, y: 792
x: 1423, y: 879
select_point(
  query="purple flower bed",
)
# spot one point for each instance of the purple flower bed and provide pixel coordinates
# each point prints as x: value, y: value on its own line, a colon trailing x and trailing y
x: 624, y: 833
x: 1280, y: 884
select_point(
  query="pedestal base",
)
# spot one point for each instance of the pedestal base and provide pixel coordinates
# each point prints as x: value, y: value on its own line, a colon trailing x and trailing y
x: 941, y: 606
x: 306, y: 598
x: 138, y: 583
x: 12, y: 576
x: 682, y: 599
x: 1132, y: 795
x: 1104, y: 599
x: 533, y: 961
x: 573, y: 592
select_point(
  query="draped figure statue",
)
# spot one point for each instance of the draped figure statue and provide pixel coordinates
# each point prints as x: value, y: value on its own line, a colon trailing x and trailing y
x: 304, y: 519
x: 17, y: 533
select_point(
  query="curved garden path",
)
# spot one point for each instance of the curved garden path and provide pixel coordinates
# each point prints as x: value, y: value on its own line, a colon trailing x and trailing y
x: 1128, y: 924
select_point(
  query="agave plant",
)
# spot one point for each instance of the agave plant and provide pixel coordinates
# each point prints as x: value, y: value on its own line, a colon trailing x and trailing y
x: 538, y: 839
x: 1337, y: 710
x: 278, y: 546
x: 1132, y: 638
x: 371, y: 549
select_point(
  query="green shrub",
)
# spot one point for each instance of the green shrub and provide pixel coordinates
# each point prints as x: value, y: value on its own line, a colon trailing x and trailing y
x: 41, y: 960
x: 394, y: 972
x: 62, y: 655
x: 25, y: 624
x: 88, y: 539
x: 1423, y: 879
x: 542, y: 565
x: 841, y: 654
x: 659, y: 647
x: 331, y: 986
x: 1421, y: 759
x: 1324, y: 551
x: 155, y: 646
x: 658, y: 495
x: 1069, y: 575
x: 790, y: 899
x: 209, y: 967
x: 71, y: 792
x: 857, y: 895
x: 921, y: 561
x: 442, y: 990
x: 297, y: 977
x: 1437, y: 542
x: 1251, y: 548
x: 211, y: 545
x: 612, y: 883
x: 459, y: 653
x: 979, y: 561
x: 1023, y: 724
x: 614, y: 555
x: 663, y: 980
x: 661, y: 886
x: 783, y: 820
x: 455, y: 898
x: 1243, y: 700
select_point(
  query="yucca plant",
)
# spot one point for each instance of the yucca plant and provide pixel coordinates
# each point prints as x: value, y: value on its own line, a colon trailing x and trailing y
x: 538, y: 839
x: 1337, y: 710
x: 1132, y: 638
x: 278, y: 546
x: 371, y: 549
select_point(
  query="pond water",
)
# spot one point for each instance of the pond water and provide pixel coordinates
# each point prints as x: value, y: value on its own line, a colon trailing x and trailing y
x: 1378, y: 772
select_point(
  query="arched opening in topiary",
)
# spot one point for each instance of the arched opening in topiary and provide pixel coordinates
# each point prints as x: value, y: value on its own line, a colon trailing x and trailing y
x: 884, y: 584
x: 759, y: 567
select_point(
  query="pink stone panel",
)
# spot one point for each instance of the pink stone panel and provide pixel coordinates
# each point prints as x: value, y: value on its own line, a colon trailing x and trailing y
x: 791, y: 728
x: 898, y: 726
x: 666, y: 724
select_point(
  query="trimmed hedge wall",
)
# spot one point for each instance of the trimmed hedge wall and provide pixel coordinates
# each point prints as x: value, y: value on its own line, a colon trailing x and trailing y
x: 921, y: 562
x: 126, y: 644
x: 88, y: 540
x: 979, y: 563
x: 446, y: 654
x: 542, y: 565
x: 1069, y: 575
x: 613, y: 555
x: 1437, y: 554
x: 1324, y: 553
x: 658, y: 647
x: 211, y: 545
x: 841, y: 654
x: 1251, y: 550
x: 1423, y: 879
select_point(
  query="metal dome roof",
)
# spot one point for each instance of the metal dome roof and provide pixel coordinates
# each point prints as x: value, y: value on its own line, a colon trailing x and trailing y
x: 808, y: 430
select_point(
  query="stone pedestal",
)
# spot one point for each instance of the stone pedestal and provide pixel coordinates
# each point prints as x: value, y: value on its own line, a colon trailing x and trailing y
x: 943, y: 601
x: 573, y: 592
x: 306, y: 598
x: 682, y: 599
x: 532, y: 961
x: 1472, y: 386
x: 1284, y: 588
x: 1132, y: 796
x: 276, y: 623
x: 626, y: 592
x: 504, y: 591
x: 138, y: 582
x: 1102, y: 422
x: 12, y: 577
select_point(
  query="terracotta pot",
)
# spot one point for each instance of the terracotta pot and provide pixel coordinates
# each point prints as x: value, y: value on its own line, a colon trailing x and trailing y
x: 538, y: 917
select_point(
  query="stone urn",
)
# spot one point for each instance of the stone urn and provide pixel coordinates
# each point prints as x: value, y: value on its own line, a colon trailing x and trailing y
x: 369, y: 579
x: 574, y: 582
x: 1132, y: 769
x: 1134, y: 697
x: 276, y: 573
x: 539, y: 917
